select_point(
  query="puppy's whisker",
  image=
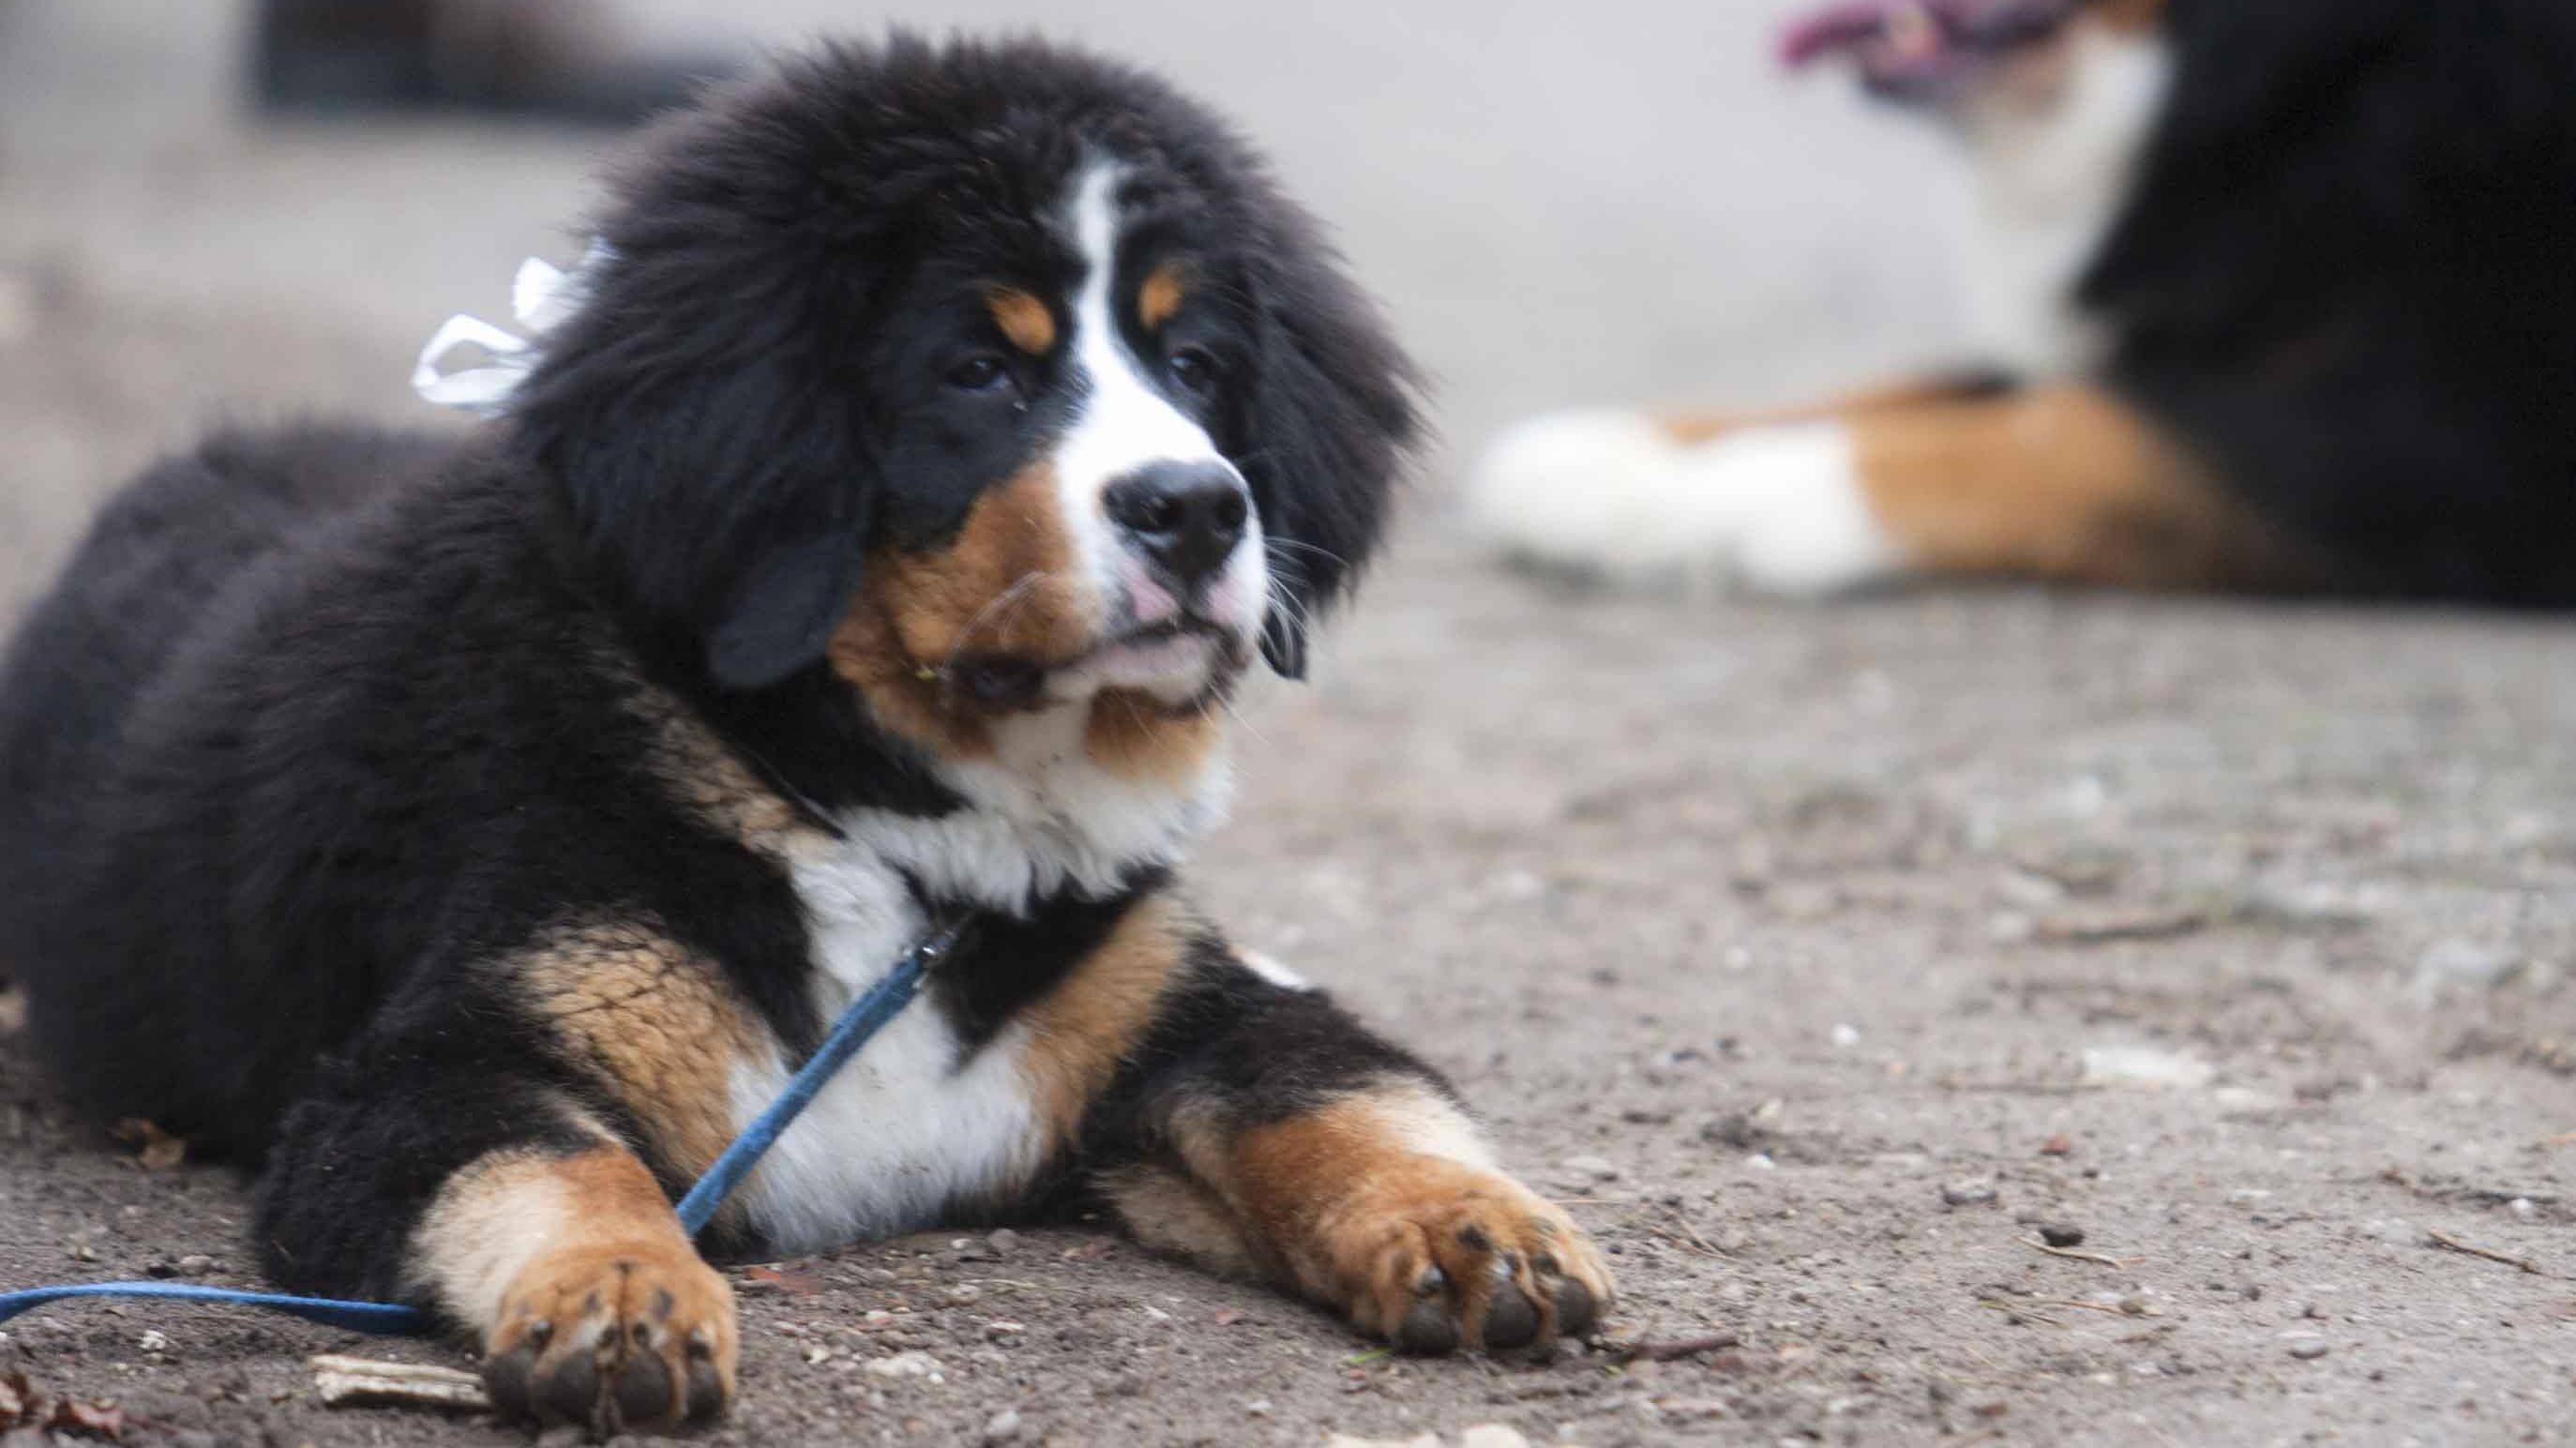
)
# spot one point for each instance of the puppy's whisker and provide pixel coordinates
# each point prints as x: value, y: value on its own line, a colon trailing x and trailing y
x: 1004, y: 599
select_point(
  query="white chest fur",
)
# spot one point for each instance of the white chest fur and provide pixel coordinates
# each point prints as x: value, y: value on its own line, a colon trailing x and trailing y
x: 916, y: 1122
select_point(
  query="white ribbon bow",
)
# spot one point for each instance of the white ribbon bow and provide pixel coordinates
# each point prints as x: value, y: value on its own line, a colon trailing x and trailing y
x: 542, y: 297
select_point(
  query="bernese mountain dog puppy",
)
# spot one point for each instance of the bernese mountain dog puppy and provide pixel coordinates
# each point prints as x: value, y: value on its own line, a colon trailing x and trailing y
x: 477, y: 833
x: 2274, y: 295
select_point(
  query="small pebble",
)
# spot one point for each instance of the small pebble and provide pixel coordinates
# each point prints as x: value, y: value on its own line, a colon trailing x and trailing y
x: 1975, y: 1192
x: 2308, y: 1352
x: 1592, y: 1167
x: 1258, y: 1407
x: 2061, y: 1234
x: 965, y: 1293
x: 1004, y: 1428
x: 1845, y: 1035
x: 1004, y: 1241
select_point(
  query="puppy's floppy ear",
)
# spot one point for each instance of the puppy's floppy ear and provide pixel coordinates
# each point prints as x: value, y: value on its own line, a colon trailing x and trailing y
x: 1330, y: 418
x: 718, y: 476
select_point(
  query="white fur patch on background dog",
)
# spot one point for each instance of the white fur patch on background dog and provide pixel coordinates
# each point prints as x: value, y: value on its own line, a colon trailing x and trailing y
x: 1779, y: 509
x: 2050, y: 181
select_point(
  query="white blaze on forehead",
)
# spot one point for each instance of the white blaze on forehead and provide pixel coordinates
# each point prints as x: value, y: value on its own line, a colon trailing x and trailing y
x: 1125, y: 423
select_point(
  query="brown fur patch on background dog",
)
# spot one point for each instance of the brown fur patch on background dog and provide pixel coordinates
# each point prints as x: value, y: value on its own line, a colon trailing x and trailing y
x: 2130, y: 16
x: 656, y: 1024
x: 1006, y: 584
x: 2057, y: 482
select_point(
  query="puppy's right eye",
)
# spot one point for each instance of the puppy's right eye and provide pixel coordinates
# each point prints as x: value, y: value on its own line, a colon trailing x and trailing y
x: 980, y: 374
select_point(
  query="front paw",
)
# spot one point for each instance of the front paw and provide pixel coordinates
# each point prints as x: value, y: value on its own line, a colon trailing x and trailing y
x: 614, y: 1338
x: 1434, y: 1256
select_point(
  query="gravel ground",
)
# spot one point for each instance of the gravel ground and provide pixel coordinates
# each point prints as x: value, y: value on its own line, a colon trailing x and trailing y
x: 1824, y: 959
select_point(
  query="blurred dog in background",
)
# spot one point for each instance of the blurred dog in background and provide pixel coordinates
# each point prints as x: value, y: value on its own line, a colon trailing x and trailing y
x: 2272, y: 295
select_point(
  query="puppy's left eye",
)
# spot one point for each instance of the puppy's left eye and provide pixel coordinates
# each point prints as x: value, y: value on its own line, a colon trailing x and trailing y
x: 980, y: 374
x: 1194, y: 369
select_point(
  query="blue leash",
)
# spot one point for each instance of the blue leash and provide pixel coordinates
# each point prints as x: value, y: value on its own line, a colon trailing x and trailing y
x: 866, y: 1016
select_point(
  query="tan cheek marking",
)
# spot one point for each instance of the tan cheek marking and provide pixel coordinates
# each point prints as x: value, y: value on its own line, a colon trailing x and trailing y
x: 655, y: 1023
x: 1007, y: 583
x: 1139, y: 738
x: 1024, y: 319
x: 1082, y: 1030
x: 2059, y: 482
x: 1160, y: 298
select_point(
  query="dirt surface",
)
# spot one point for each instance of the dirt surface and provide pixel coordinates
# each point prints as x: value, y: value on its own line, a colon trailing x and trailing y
x: 1814, y: 955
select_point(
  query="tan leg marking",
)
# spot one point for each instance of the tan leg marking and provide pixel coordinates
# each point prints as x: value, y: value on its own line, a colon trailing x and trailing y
x: 1138, y: 737
x: 594, y: 1308
x: 2056, y: 482
x: 1006, y: 584
x: 1159, y: 299
x: 1385, y: 1205
x: 1082, y: 1031
x: 1170, y: 1213
x: 655, y: 1023
x: 1025, y: 320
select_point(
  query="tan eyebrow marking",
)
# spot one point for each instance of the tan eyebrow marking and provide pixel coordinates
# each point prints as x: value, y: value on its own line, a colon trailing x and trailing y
x: 1161, y: 295
x: 1023, y: 318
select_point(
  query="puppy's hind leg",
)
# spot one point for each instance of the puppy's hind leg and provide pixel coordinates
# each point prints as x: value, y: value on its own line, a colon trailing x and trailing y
x: 436, y: 1172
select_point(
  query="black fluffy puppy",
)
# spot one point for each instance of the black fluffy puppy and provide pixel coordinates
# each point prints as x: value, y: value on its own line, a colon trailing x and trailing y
x: 479, y: 833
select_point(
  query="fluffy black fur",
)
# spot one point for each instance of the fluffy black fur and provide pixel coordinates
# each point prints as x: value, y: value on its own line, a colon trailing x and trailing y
x: 2344, y: 276
x: 322, y: 724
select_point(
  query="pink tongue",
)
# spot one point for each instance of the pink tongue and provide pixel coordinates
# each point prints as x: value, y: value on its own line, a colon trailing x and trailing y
x: 1840, y: 27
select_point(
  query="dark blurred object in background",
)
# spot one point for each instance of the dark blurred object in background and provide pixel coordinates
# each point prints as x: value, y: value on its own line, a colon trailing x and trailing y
x: 559, y: 59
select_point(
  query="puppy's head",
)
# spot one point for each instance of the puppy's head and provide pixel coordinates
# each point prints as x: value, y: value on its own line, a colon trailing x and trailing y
x: 990, y: 377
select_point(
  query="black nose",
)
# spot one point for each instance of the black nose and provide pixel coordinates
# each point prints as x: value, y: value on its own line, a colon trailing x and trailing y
x: 1186, y: 517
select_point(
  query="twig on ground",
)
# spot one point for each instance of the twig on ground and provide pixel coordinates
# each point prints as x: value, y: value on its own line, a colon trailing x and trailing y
x: 2445, y: 1239
x: 347, y: 1382
x: 2014, y: 1309
x: 2015, y: 1088
x: 1678, y: 1348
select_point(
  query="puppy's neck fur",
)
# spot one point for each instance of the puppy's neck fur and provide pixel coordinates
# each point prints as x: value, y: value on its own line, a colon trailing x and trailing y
x: 1047, y: 813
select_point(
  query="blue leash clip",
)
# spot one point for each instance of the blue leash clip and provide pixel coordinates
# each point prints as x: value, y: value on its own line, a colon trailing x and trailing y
x: 865, y: 1017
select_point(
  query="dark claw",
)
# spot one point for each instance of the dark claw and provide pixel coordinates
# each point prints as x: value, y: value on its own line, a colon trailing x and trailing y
x: 571, y: 1391
x: 644, y: 1389
x: 506, y: 1378
x: 1512, y: 1321
x: 706, y: 1388
x: 1575, y: 1308
x: 1428, y: 1330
